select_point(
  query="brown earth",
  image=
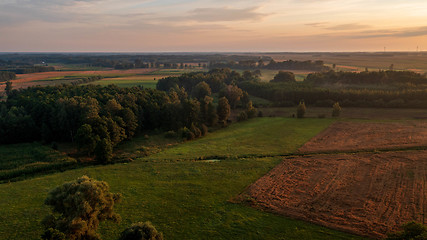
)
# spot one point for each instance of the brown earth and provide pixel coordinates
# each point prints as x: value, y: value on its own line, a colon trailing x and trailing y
x: 354, y: 136
x: 365, y: 193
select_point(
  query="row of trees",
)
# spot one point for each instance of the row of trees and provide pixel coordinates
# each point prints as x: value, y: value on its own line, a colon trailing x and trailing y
x: 367, y: 78
x: 260, y: 64
x: 290, y: 93
x: 32, y: 69
x: 98, y: 118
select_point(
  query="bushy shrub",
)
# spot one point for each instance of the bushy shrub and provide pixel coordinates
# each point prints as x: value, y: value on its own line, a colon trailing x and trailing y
x: 242, y: 116
x: 204, y: 129
x: 196, y: 131
x: 141, y: 231
x: 301, y: 109
x: 170, y: 134
x: 411, y: 230
x: 336, y: 110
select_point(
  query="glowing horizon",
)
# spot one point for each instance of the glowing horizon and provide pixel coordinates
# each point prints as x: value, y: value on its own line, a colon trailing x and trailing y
x: 212, y: 26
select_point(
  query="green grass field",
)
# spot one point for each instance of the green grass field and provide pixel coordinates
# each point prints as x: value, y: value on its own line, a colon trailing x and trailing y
x: 148, y: 80
x: 257, y: 137
x: 22, y: 160
x: 183, y: 199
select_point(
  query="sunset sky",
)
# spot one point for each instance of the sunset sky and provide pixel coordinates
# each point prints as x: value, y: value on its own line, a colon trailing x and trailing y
x: 212, y: 25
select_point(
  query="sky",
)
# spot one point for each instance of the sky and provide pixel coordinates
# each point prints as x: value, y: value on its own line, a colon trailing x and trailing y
x: 212, y: 25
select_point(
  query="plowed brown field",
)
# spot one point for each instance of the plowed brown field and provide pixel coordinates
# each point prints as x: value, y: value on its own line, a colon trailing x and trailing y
x: 366, y: 193
x: 349, y: 136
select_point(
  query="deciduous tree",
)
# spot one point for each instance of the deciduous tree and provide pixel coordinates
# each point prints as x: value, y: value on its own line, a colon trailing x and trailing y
x: 78, y: 207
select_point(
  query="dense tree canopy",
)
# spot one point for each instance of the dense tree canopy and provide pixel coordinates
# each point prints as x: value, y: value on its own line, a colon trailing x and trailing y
x: 94, y: 116
x: 283, y: 76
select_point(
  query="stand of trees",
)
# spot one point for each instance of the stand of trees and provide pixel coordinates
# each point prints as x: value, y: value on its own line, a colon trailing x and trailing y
x: 98, y: 118
x: 289, y: 92
x: 222, y: 81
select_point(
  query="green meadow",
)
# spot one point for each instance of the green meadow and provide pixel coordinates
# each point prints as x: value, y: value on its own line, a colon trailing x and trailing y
x: 19, y: 161
x: 184, y: 199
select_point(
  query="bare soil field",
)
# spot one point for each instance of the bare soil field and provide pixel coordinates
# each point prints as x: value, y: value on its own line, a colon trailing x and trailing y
x: 354, y: 136
x: 352, y: 113
x: 367, y: 194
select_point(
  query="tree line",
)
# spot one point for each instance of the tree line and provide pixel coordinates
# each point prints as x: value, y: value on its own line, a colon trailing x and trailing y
x: 366, y: 77
x: 272, y: 64
x: 289, y: 94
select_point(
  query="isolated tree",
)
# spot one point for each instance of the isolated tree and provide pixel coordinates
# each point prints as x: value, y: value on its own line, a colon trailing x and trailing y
x: 141, y: 231
x: 411, y: 231
x: 336, y: 110
x: 301, y: 109
x: 283, y: 76
x: 250, y: 110
x: 8, y: 88
x: 223, y: 110
x: 77, y: 209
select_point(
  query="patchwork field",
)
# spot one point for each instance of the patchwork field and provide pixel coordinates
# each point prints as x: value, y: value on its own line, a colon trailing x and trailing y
x: 60, y: 77
x: 367, y: 193
x: 184, y: 199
